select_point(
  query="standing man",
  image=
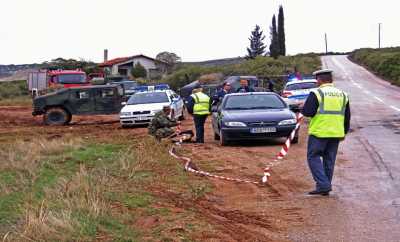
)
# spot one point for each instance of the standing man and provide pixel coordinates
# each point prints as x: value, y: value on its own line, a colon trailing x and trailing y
x: 329, y: 110
x: 161, y: 125
x: 199, y: 105
x: 244, y: 87
x: 220, y: 94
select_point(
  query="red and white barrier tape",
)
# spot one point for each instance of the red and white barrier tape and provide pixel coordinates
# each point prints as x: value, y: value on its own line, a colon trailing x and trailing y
x: 283, y: 152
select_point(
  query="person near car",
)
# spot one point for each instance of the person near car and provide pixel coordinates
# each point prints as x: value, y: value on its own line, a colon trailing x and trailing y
x: 161, y: 126
x: 244, y: 87
x: 220, y: 94
x: 199, y: 105
x: 329, y: 109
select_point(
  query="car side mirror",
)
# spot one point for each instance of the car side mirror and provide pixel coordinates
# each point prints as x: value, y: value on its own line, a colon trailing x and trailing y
x: 175, y: 99
x: 123, y: 103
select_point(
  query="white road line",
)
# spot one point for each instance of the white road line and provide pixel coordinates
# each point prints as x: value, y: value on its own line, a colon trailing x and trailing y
x: 395, y: 108
x: 377, y: 98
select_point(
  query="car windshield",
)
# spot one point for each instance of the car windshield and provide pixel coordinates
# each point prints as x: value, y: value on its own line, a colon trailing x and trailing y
x: 302, y: 85
x: 71, y: 78
x: 148, y: 97
x: 255, y: 101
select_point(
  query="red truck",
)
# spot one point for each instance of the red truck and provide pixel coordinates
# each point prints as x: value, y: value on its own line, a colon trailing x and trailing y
x: 41, y: 80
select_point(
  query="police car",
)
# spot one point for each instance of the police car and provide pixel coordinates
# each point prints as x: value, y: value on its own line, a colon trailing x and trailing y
x: 296, y: 92
x: 143, y: 105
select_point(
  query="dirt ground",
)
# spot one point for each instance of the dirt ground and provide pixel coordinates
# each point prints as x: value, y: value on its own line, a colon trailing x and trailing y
x: 278, y: 211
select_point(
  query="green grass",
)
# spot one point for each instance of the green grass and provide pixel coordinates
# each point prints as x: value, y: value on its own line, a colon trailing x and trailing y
x: 76, y: 184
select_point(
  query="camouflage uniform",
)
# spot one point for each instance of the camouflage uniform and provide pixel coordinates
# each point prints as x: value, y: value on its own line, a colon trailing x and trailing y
x: 160, y: 126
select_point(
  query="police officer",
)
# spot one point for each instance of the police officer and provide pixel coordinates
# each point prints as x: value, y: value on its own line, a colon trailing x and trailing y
x: 199, y: 105
x: 329, y: 110
x: 161, y: 125
x: 244, y: 87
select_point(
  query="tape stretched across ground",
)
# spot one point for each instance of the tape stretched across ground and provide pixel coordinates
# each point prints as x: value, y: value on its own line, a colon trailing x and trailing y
x: 190, y: 167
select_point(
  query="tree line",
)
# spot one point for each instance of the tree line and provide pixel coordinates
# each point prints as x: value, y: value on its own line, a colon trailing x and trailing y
x: 277, y: 45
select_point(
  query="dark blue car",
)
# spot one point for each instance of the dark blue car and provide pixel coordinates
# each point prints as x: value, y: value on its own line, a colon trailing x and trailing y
x: 252, y: 116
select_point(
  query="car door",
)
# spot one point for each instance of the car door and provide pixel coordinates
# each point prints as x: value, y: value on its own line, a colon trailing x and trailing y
x: 81, y: 101
x: 105, y: 99
x: 216, y: 113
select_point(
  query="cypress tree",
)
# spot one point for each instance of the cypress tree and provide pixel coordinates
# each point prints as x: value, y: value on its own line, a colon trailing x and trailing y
x: 281, y: 32
x: 274, y: 46
x: 257, y: 46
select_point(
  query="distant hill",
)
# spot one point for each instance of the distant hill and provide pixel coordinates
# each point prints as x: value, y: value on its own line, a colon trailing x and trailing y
x: 15, y: 72
x: 217, y: 62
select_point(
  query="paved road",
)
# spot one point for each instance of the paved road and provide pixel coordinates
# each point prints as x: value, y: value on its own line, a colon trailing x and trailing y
x: 367, y: 182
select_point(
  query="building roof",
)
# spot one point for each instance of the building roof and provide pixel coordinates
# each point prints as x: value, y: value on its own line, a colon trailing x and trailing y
x: 124, y: 59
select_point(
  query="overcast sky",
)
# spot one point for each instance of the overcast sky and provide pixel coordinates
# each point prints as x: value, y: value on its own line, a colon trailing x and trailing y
x: 39, y: 30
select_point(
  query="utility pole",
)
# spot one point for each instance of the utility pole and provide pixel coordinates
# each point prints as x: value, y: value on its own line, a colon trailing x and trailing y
x: 326, y: 44
x: 379, y: 36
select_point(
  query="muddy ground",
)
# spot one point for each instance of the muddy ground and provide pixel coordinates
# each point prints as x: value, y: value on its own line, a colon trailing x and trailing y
x: 278, y: 211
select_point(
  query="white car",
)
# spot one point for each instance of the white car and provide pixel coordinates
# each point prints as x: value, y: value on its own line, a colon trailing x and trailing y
x: 142, y: 106
x: 296, y: 92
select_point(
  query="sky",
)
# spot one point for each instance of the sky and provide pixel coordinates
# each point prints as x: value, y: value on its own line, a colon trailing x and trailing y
x: 40, y: 30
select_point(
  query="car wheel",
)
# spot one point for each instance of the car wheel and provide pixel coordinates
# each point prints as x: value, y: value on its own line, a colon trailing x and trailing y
x: 56, y: 116
x: 222, y: 139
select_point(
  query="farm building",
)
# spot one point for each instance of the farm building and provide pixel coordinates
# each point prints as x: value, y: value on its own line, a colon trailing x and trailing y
x: 123, y: 66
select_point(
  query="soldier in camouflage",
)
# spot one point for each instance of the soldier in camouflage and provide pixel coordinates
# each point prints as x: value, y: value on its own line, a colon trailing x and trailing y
x: 161, y: 125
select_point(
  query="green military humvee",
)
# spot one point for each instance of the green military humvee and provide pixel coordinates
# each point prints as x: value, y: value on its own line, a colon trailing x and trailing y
x: 58, y: 107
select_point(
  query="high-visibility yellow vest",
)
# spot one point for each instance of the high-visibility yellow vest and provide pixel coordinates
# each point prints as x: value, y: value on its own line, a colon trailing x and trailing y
x: 201, y: 103
x: 329, y: 119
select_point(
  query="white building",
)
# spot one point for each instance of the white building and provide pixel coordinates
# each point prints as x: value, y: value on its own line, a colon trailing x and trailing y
x: 123, y: 66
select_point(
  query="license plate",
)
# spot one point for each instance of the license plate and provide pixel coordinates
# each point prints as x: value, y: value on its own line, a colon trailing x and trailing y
x: 263, y: 130
x: 141, y: 118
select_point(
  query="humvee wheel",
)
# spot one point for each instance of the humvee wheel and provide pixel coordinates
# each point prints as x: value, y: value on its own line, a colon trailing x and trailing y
x: 56, y: 116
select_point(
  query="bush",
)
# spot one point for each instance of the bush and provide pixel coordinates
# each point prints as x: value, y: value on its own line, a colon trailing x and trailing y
x: 13, y: 89
x: 384, y: 62
x: 138, y: 71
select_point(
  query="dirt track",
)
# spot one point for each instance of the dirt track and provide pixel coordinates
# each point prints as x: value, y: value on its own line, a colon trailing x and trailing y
x: 240, y: 211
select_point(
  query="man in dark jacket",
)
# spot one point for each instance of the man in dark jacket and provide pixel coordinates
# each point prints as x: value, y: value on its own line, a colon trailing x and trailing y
x: 329, y: 110
x: 244, y: 87
x: 220, y: 94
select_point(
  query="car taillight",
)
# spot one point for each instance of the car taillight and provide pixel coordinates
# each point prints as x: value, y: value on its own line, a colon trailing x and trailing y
x: 286, y: 94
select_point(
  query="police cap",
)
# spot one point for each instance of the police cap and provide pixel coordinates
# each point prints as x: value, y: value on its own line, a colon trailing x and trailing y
x: 323, y: 72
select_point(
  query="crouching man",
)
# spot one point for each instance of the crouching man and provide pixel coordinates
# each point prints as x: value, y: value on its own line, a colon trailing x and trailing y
x: 161, y: 125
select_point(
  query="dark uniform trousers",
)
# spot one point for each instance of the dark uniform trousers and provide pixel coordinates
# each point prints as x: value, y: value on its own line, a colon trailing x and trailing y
x: 321, y: 156
x: 199, y: 121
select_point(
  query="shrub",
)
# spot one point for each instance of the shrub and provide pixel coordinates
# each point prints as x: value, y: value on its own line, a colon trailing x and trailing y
x: 13, y: 89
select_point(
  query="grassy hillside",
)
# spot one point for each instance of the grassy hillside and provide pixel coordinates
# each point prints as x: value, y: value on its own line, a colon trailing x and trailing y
x: 263, y: 67
x: 384, y: 62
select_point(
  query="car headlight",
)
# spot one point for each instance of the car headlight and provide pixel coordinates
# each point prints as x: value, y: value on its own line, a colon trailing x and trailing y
x: 124, y: 114
x: 288, y: 121
x: 235, y: 124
